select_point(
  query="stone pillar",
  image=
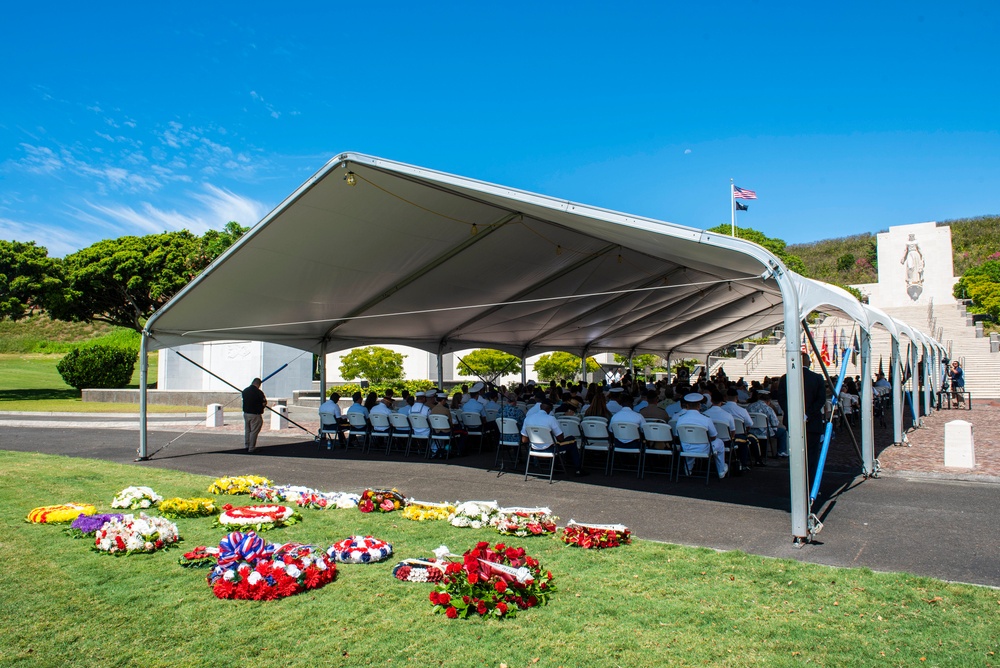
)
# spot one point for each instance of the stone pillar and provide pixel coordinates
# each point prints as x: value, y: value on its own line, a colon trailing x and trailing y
x: 214, y: 417
x: 279, y: 417
x: 959, y: 446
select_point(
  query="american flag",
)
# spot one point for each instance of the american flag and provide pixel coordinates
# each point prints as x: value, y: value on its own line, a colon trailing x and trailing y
x: 740, y: 193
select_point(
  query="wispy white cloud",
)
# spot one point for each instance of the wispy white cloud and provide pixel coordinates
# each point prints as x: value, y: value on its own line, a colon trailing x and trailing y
x: 274, y: 113
x: 215, y: 207
x: 58, y: 241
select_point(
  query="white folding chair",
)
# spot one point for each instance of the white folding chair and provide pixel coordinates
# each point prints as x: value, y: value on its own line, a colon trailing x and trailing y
x: 490, y: 415
x: 400, y: 430
x: 541, y: 445
x: 419, y: 423
x: 628, y: 442
x: 328, y: 426
x: 508, y: 428
x: 693, y: 434
x: 726, y: 436
x: 596, y: 439
x: 474, y: 427
x: 760, y: 422
x: 441, y: 433
x: 381, y: 429
x: 359, y: 429
x: 656, y: 433
x: 570, y: 428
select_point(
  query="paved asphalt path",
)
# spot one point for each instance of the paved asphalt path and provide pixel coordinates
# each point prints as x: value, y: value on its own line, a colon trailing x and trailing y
x: 946, y: 529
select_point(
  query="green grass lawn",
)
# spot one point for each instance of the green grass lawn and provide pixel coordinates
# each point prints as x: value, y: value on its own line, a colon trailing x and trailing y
x: 31, y: 382
x: 645, y: 604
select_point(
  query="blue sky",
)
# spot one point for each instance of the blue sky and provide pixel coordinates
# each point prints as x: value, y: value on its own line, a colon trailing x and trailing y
x: 133, y: 119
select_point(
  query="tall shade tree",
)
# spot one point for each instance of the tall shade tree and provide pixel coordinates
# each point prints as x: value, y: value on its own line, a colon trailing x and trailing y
x: 123, y: 281
x: 27, y: 276
x: 562, y: 365
x: 640, y: 362
x: 373, y: 363
x: 776, y: 246
x: 489, y: 364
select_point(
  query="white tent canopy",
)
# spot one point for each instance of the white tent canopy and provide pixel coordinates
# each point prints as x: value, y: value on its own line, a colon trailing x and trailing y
x: 373, y: 250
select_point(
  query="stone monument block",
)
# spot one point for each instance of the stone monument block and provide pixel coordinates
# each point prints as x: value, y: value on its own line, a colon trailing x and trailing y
x: 215, y: 416
x: 279, y: 417
x: 959, y: 447
x: 915, y: 267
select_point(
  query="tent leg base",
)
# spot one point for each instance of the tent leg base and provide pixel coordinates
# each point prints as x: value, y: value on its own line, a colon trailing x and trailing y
x: 799, y: 541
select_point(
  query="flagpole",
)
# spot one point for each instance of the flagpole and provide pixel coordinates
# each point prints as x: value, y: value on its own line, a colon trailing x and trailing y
x: 732, y: 202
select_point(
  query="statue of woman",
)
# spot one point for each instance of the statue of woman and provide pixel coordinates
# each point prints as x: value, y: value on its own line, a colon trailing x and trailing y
x: 913, y: 260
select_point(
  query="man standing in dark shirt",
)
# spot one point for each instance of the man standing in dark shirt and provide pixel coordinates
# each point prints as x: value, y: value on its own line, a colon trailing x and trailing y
x: 814, y: 391
x: 254, y: 402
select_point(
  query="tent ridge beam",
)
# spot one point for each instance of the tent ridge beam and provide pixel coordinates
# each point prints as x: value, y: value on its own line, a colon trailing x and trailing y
x: 527, y: 291
x: 604, y: 305
x: 424, y: 270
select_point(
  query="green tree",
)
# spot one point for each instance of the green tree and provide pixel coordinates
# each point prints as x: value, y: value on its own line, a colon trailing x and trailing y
x: 981, y: 284
x: 776, y: 246
x: 640, y: 362
x: 490, y: 364
x: 123, y: 281
x: 845, y: 262
x: 27, y: 276
x: 373, y: 363
x: 562, y: 365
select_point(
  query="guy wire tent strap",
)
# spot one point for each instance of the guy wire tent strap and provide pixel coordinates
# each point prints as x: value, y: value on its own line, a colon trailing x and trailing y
x: 214, y: 375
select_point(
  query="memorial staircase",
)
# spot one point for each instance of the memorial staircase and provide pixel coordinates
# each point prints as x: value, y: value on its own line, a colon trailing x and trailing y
x: 947, y: 322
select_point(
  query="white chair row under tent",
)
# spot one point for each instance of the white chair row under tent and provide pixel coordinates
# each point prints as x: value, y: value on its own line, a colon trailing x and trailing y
x: 574, y: 277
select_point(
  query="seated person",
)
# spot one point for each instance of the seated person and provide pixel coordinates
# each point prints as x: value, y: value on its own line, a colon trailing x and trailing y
x: 543, y: 418
x: 653, y: 411
x: 383, y: 407
x: 457, y: 433
x: 625, y: 414
x: 760, y: 402
x: 330, y: 409
x: 692, y: 415
x: 512, y: 411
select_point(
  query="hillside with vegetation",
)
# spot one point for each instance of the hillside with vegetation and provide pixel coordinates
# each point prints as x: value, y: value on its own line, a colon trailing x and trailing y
x: 852, y: 260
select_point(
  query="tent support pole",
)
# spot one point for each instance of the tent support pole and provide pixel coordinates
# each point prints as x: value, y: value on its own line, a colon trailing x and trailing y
x: 867, y: 431
x: 795, y: 416
x: 440, y: 365
x: 322, y: 372
x: 143, y: 384
x: 524, y: 370
x: 583, y: 366
x: 897, y: 394
x: 914, y: 385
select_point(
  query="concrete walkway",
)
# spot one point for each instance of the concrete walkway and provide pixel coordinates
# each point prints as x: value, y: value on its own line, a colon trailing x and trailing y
x: 935, y: 527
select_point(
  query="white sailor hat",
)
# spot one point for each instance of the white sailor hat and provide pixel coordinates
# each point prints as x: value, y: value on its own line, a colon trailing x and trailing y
x: 442, y: 395
x: 476, y: 388
x: 763, y: 393
x: 694, y: 398
x: 531, y: 382
x: 617, y: 390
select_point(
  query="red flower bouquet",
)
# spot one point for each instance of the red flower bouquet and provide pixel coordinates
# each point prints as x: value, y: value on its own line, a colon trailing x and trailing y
x: 596, y: 536
x: 250, y: 568
x: 383, y: 500
x: 497, y: 581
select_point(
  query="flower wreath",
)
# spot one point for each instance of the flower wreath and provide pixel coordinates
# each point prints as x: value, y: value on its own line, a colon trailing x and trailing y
x: 200, y: 557
x: 86, y: 525
x: 250, y: 568
x: 497, y: 581
x: 525, y: 521
x: 596, y: 536
x: 305, y: 497
x: 423, y: 510
x: 136, y: 498
x: 260, y: 517
x: 475, y: 514
x: 419, y: 570
x: 135, y: 533
x: 383, y: 500
x: 239, y: 484
x: 195, y: 507
x: 360, y: 550
x: 60, y: 514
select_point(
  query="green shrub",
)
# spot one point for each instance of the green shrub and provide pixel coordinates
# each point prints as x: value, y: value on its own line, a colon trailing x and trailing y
x: 98, y: 367
x: 347, y: 389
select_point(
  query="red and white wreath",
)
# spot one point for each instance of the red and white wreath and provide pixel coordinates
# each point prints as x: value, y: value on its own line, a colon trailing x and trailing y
x: 360, y: 550
x: 259, y: 517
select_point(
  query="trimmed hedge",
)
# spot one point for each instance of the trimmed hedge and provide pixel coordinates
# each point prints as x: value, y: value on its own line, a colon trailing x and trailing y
x: 98, y: 367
